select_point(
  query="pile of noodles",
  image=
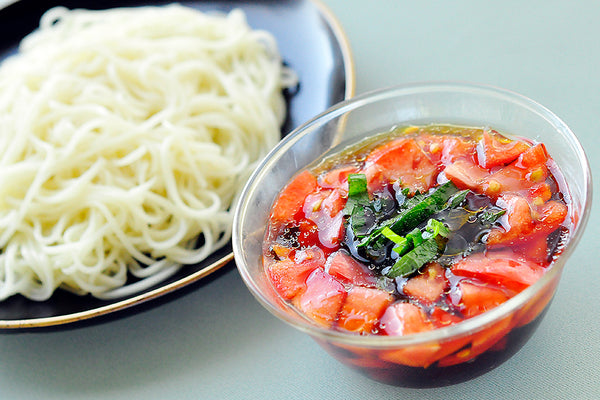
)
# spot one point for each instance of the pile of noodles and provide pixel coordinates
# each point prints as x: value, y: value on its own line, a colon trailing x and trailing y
x: 125, y: 135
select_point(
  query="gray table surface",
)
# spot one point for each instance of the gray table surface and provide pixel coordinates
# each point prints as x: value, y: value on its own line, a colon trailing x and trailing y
x: 218, y: 343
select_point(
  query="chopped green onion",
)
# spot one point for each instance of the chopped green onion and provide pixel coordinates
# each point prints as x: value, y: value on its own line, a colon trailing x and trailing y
x: 357, y: 192
x: 393, y: 236
x: 415, y: 237
x: 416, y: 211
x: 436, y: 228
x: 414, y: 259
x: 402, y: 244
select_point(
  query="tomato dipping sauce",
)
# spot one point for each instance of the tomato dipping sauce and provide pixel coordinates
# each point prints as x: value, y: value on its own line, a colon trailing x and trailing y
x: 417, y: 229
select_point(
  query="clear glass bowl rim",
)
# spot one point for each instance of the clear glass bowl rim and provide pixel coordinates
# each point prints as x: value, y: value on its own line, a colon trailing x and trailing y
x: 465, y: 327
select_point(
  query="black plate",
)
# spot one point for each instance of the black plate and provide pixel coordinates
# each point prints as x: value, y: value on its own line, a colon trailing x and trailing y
x: 310, y: 41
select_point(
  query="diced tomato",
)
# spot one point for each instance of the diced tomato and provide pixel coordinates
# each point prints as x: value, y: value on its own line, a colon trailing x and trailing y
x: 455, y: 148
x: 534, y: 247
x: 337, y: 178
x: 488, y: 337
x: 493, y: 151
x: 363, y: 308
x: 459, y: 357
x: 534, y: 243
x: 533, y: 157
x: 481, y: 342
x: 414, y: 356
x: 539, y: 193
x: 479, y: 298
x: 344, y: 267
x: 466, y: 174
x: 289, y: 276
x: 550, y: 216
x: 428, y: 286
x: 308, y: 234
x: 400, y: 159
x: 290, y: 201
x: 313, y: 254
x: 446, y: 149
x: 521, y: 226
x: 450, y: 346
x: 404, y: 319
x: 313, y: 202
x: 511, y: 180
x: 527, y: 170
x: 324, y: 209
x: 536, y: 304
x: 441, y: 317
x: 323, y: 298
x: 502, y: 268
x: 518, y: 221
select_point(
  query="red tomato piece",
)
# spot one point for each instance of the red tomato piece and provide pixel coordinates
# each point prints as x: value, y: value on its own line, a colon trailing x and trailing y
x: 323, y: 298
x: 308, y: 235
x: 455, y: 148
x: 481, y: 342
x: 535, y: 248
x: 441, y: 317
x: 451, y: 346
x: 289, y: 276
x: 539, y: 193
x: 337, y: 178
x: 550, y: 216
x: 533, y: 157
x: 518, y: 222
x: 466, y: 174
x: 414, y: 356
x: 363, y: 308
x: 290, y: 201
x: 522, y: 227
x: 489, y: 338
x: 328, y: 201
x: 404, y: 319
x: 342, y: 266
x: 527, y: 170
x: 536, y: 304
x: 502, y: 268
x: 479, y: 298
x: 324, y: 209
x: 446, y: 149
x: 493, y: 151
x: 400, y: 159
x: 428, y: 286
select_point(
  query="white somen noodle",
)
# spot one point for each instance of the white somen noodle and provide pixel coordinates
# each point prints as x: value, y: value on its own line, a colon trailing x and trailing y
x: 125, y: 135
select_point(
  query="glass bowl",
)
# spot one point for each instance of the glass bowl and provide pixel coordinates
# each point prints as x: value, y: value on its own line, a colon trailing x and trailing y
x: 475, y: 345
